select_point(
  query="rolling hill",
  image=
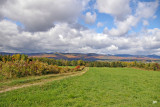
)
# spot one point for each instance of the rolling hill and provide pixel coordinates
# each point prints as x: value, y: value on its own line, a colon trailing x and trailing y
x: 92, y: 56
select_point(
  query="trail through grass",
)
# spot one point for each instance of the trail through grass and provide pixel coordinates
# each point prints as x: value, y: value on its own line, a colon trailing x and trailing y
x: 35, y: 80
x: 99, y: 87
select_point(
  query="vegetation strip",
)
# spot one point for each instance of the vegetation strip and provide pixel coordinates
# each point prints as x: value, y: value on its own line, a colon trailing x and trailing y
x: 47, y: 80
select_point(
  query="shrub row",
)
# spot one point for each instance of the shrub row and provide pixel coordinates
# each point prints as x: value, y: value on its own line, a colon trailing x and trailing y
x: 22, y: 68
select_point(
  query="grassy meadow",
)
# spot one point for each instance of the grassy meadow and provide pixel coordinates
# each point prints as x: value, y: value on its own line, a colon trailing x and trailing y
x: 98, y: 87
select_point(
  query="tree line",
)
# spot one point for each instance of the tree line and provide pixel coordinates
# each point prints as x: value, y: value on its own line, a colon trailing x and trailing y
x: 144, y: 65
x: 20, y: 65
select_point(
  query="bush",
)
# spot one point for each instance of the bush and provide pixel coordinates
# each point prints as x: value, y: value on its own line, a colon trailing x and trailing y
x: 17, y: 69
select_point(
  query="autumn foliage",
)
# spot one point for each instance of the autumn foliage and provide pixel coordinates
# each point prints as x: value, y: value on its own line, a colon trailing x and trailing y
x: 21, y: 66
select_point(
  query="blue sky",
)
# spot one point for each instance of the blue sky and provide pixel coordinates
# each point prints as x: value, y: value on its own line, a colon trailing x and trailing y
x: 108, y: 20
x: 85, y: 26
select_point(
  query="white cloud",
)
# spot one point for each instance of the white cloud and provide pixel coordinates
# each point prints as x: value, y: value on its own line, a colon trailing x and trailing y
x: 144, y: 10
x: 145, y: 23
x: 154, y: 17
x: 118, y: 8
x: 40, y: 15
x: 90, y: 18
x: 64, y: 38
x: 124, y: 26
x: 68, y: 36
x: 8, y: 27
x: 112, y: 48
x: 99, y: 24
x: 106, y: 31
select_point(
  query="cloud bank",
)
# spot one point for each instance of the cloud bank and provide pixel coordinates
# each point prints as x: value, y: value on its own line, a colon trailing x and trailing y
x: 40, y: 15
x: 52, y: 26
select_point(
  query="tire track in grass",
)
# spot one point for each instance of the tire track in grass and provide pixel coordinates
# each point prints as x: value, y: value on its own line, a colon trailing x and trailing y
x: 46, y: 80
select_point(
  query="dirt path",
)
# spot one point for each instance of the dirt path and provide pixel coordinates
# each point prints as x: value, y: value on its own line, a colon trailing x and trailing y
x: 45, y: 81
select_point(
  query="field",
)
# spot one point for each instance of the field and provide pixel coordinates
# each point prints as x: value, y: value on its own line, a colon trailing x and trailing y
x: 98, y: 87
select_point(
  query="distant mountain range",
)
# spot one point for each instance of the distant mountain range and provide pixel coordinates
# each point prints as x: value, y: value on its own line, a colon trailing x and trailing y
x: 128, y: 55
x: 92, y: 56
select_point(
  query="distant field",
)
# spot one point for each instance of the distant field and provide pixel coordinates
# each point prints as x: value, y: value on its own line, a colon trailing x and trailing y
x: 99, y: 87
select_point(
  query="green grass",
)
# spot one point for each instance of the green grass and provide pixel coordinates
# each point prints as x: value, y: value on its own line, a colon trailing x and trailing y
x: 21, y: 81
x: 30, y: 80
x: 99, y: 87
x: 6, y: 83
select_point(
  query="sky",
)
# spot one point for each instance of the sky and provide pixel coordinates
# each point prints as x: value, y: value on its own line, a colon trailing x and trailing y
x: 80, y: 26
